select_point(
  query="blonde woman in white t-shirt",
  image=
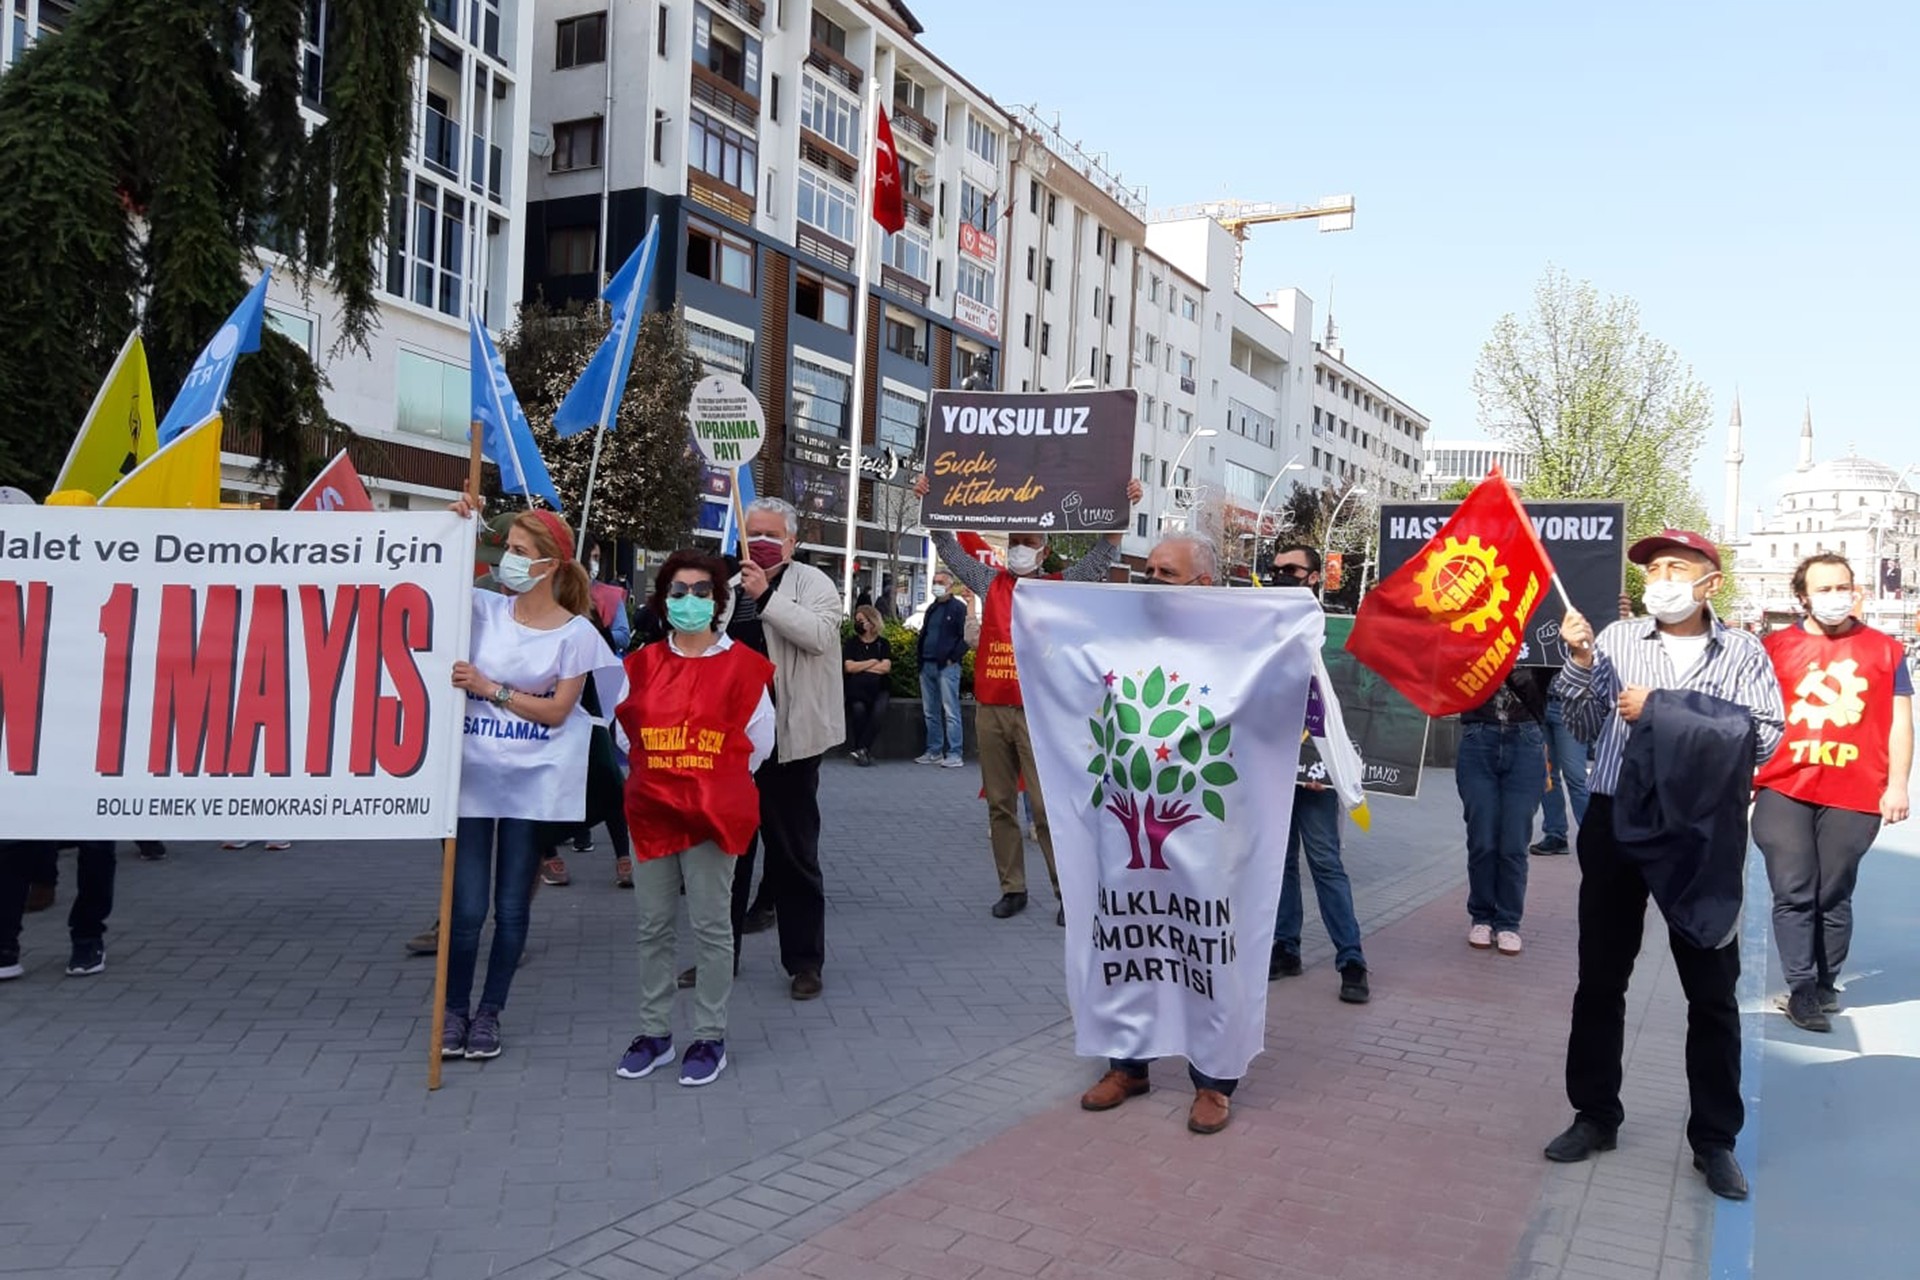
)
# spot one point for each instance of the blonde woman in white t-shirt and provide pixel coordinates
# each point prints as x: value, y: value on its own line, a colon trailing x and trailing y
x: 524, y: 757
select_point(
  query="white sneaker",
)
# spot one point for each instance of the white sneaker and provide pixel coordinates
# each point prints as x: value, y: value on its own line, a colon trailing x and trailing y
x: 278, y: 845
x: 953, y: 762
x: 1509, y: 942
x: 235, y: 844
x: 927, y: 757
x: 1480, y: 937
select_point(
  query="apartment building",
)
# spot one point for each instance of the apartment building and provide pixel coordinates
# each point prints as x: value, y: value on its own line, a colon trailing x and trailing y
x: 1448, y: 462
x: 454, y: 241
x: 739, y: 126
x: 1362, y: 434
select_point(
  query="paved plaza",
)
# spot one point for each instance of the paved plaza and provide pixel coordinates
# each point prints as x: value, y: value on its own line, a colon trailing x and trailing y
x: 242, y: 1093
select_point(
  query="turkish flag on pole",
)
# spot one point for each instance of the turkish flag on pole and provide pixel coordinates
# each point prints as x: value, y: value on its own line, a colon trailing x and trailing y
x: 336, y: 488
x: 889, y: 199
x: 1446, y: 627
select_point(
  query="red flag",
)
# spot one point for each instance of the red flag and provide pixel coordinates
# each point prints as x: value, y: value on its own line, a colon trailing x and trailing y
x: 889, y: 199
x: 336, y: 488
x: 1446, y: 627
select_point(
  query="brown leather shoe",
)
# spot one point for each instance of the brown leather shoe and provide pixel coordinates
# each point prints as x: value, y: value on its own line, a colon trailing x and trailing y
x: 1114, y: 1088
x: 806, y: 985
x: 1210, y: 1111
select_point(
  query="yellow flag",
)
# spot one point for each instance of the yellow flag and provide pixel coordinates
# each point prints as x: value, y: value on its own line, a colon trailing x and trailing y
x: 184, y: 474
x: 118, y: 434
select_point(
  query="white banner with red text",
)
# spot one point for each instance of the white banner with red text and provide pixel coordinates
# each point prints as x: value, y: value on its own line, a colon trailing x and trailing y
x: 231, y: 675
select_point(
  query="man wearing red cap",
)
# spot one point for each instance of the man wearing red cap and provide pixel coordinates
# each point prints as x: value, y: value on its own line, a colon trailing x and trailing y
x: 1680, y: 646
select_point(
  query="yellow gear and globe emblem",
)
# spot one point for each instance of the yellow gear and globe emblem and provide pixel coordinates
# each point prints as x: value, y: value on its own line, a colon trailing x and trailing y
x: 1464, y: 582
x: 1830, y: 696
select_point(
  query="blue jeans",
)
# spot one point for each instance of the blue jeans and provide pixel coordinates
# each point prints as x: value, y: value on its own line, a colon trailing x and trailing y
x: 1568, y: 771
x: 940, y: 701
x: 1501, y: 771
x: 1316, y: 825
x: 494, y: 863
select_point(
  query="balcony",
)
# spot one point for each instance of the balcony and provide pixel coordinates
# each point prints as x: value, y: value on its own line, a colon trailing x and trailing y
x: 907, y: 287
x: 835, y: 67
x: 746, y: 10
x: 716, y: 93
x: 709, y: 191
x: 440, y: 147
x: 826, y: 157
x: 919, y: 212
x: 916, y: 126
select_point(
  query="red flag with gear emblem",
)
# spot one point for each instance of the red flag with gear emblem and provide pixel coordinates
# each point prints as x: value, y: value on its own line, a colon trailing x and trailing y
x: 1446, y: 627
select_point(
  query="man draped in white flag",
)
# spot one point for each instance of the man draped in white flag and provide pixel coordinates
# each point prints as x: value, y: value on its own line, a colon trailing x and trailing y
x: 1167, y: 724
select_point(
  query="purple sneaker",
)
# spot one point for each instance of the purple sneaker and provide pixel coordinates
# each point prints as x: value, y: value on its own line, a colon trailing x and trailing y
x: 483, y: 1034
x: 704, y: 1062
x: 643, y: 1055
x: 453, y: 1039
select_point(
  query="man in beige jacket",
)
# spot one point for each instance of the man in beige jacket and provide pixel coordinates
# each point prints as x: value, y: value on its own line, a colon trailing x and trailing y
x: 795, y: 621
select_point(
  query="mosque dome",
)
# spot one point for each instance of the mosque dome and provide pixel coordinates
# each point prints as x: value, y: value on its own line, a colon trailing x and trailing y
x: 1849, y: 474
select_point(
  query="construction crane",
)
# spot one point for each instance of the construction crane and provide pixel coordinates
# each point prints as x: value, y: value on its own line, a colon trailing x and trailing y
x: 1334, y: 213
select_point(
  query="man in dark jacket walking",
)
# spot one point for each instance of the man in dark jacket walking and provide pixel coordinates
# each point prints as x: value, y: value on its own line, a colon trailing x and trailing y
x: 943, y: 646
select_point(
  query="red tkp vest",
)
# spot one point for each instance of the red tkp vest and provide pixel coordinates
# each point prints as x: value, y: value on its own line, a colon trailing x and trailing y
x: 996, y: 677
x: 1839, y: 697
x: 686, y: 725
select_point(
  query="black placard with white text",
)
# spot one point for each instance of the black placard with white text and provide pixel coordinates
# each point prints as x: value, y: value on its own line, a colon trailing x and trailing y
x: 1029, y: 462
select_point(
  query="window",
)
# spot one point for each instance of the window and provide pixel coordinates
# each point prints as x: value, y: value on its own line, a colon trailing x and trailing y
x: 982, y: 140
x: 909, y: 250
x: 978, y: 207
x: 719, y: 256
x: 1189, y: 307
x: 1186, y: 365
x: 573, y: 251
x: 576, y: 145
x: 976, y: 282
x: 820, y: 398
x: 827, y: 301
x: 1047, y: 276
x: 773, y: 98
x: 1107, y: 366
x: 1146, y: 468
x: 820, y: 202
x: 1026, y: 331
x: 1152, y: 349
x: 721, y: 152
x: 827, y: 32
x: 660, y: 27
x: 1146, y: 410
x: 433, y: 398
x: 901, y: 418
x: 726, y: 51
x: 1099, y: 241
x: 1046, y: 336
x: 426, y: 247
x: 580, y: 41
x: 830, y: 113
x: 1109, y: 308
x: 1245, y: 483
x: 1140, y: 524
x: 1033, y: 257
x: 1186, y: 423
x: 721, y: 352
x: 1033, y: 195
x: 1052, y: 204
x: 292, y: 326
x: 1153, y: 289
x: 1093, y: 363
x: 1096, y: 302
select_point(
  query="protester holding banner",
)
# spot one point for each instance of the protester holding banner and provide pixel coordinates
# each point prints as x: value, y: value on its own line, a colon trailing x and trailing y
x: 1501, y: 772
x: 697, y: 720
x: 1000, y: 720
x: 1315, y: 828
x: 1841, y: 772
x: 524, y: 757
x: 1609, y: 686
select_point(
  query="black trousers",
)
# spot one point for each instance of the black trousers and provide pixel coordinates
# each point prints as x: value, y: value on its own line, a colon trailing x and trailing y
x: 25, y: 862
x: 1613, y: 909
x: 791, y: 881
x: 866, y: 712
x: 1813, y: 855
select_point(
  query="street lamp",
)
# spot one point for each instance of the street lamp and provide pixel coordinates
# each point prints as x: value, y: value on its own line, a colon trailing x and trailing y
x: 1879, y: 530
x: 1260, y: 521
x: 1202, y: 434
x: 1326, y: 539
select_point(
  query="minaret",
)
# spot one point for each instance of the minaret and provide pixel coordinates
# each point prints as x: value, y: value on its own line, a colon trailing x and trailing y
x: 1806, y: 439
x: 1735, y: 457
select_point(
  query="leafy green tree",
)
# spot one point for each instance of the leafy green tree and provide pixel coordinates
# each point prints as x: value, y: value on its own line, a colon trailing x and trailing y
x: 1458, y: 491
x: 647, y: 486
x: 138, y: 178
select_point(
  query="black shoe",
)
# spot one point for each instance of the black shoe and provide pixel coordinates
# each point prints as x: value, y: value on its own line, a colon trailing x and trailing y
x: 806, y: 985
x: 1282, y: 963
x: 1582, y: 1139
x: 1353, y: 984
x: 1724, y: 1178
x: 89, y: 957
x: 151, y: 850
x: 1549, y: 848
x: 1804, y: 1012
x: 1060, y: 916
x: 758, y: 920
x: 1829, y: 998
x: 583, y: 844
x: 1010, y: 904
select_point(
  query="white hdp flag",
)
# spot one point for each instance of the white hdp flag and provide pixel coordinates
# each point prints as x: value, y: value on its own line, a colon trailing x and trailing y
x: 1166, y: 726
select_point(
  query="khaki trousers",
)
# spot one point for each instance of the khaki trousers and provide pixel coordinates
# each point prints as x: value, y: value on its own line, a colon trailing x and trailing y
x: 1006, y: 756
x: 707, y: 873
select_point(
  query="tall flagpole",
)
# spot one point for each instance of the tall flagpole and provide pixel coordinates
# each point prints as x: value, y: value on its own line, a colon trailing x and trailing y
x: 607, y: 408
x: 863, y: 267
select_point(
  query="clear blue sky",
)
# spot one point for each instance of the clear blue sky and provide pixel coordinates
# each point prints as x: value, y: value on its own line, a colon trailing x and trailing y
x: 1745, y: 171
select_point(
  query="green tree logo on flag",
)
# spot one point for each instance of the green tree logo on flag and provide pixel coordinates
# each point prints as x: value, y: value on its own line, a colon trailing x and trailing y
x: 1156, y: 754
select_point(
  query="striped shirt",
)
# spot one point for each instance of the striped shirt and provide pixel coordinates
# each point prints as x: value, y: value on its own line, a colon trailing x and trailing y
x: 1734, y: 667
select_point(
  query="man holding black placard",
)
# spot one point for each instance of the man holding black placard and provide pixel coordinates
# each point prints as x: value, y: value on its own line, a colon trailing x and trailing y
x: 1000, y: 718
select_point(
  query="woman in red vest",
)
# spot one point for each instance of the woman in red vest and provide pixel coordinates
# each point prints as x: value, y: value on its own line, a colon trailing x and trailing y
x: 697, y: 721
x: 1839, y: 773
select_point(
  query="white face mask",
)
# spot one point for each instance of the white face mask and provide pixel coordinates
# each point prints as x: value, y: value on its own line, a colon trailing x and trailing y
x: 516, y: 573
x: 1022, y: 559
x: 939, y: 591
x: 1670, y: 602
x: 1832, y: 607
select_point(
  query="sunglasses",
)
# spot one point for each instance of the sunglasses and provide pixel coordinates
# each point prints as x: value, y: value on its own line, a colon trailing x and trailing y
x: 1292, y: 570
x: 681, y: 590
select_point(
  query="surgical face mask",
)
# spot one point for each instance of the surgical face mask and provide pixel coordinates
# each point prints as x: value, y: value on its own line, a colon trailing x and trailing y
x: 690, y: 613
x: 516, y: 572
x: 1670, y: 602
x: 593, y: 566
x: 939, y: 591
x: 1022, y: 559
x: 1832, y: 608
x: 766, y: 552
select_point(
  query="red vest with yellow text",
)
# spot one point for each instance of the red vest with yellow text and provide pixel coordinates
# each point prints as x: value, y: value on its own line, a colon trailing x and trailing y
x: 1839, y: 697
x: 996, y: 678
x: 686, y: 725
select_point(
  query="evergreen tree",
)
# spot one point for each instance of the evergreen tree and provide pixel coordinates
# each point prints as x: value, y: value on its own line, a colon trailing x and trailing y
x: 647, y: 487
x: 138, y: 176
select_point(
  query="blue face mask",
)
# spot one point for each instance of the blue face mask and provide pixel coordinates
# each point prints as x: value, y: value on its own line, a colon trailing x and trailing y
x: 690, y: 613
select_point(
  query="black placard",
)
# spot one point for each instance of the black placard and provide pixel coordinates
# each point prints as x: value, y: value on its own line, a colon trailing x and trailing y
x: 1018, y: 462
